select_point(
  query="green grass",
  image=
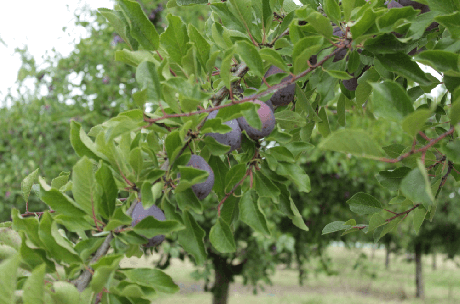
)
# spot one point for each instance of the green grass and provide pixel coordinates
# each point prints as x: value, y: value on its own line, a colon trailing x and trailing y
x: 397, y: 285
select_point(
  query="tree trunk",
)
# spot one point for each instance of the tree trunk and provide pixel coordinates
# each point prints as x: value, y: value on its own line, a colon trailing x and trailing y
x: 433, y: 262
x: 419, y: 284
x: 222, y: 277
x: 387, y: 251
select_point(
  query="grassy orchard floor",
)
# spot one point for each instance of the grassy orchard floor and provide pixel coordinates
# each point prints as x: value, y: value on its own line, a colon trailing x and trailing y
x: 350, y: 286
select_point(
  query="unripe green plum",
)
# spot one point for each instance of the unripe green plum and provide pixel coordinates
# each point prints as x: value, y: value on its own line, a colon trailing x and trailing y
x: 266, y: 117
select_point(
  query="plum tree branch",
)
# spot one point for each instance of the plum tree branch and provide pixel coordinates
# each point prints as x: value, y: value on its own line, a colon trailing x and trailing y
x: 85, y: 278
x: 219, y: 96
x: 413, y: 151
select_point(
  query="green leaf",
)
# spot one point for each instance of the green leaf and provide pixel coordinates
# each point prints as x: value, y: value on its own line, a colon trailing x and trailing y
x: 338, y: 74
x: 154, y: 278
x: 173, y: 144
x: 28, y: 225
x: 419, y: 217
x: 452, y: 151
x: 221, y: 237
x: 334, y: 227
x: 273, y: 57
x: 104, y: 269
x: 251, y: 213
x: 390, y: 101
x: 416, y: 187
x: 174, y: 39
x: 392, y: 179
x: 233, y: 176
x: 394, y: 16
x: 235, y: 111
x: 451, y: 22
x: 120, y: 25
x: 191, y: 2
x: 444, y: 6
x: 60, y: 181
x: 105, y: 179
x: 150, y: 227
x: 215, y: 147
x: 363, y: 204
x: 187, y: 200
x: 82, y: 144
x: 455, y: 113
x: 251, y: 57
x: 387, y: 43
x: 26, y: 184
x: 215, y: 125
x: 290, y: 120
x: 265, y: 187
x: 59, y: 201
x: 332, y: 10
x: 394, y: 150
x: 295, y: 174
x: 54, y: 243
x: 243, y: 11
x: 321, y: 24
x: 133, y: 58
x: 141, y: 28
x: 85, y: 187
x: 202, y: 46
x: 382, y: 230
x: 442, y: 61
x: 67, y: 293
x: 192, y: 238
x: 305, y: 48
x: 415, y: 121
x: 364, y: 22
x: 288, y: 207
x: 376, y: 221
x: 355, y: 142
x: 190, y: 176
x: 282, y: 154
x: 8, y: 277
x: 119, y: 218
x: 147, y: 78
x: 33, y: 287
x: 341, y: 110
x: 403, y: 65
x: 323, y: 125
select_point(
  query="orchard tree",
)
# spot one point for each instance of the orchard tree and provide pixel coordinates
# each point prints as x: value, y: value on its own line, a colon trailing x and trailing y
x: 353, y: 62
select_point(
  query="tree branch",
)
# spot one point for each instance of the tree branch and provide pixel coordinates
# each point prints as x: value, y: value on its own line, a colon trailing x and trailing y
x: 423, y: 149
x: 85, y: 278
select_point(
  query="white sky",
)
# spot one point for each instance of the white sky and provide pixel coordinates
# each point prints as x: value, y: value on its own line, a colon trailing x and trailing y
x: 38, y: 24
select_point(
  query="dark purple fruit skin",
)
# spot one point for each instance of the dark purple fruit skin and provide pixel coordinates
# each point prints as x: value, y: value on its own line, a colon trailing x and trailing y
x: 351, y: 84
x: 139, y: 213
x: 266, y: 117
x: 203, y: 189
x: 285, y: 95
x: 393, y: 4
x: 232, y: 138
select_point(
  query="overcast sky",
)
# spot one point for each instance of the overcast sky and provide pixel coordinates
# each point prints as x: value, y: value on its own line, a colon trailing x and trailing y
x: 38, y: 24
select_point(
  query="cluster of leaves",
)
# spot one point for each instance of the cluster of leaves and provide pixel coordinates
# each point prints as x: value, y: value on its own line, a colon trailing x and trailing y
x: 183, y: 75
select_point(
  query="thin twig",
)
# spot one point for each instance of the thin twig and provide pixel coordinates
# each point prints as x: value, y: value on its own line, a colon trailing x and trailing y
x: 423, y: 149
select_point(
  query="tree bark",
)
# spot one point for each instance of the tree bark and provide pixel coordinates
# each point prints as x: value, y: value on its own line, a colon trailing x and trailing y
x: 387, y: 251
x: 433, y: 262
x: 222, y: 278
x: 419, y: 283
